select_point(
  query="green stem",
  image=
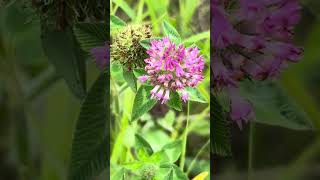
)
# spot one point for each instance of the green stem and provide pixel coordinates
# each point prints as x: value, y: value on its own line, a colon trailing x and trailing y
x: 197, y: 156
x: 250, y: 150
x: 300, y: 165
x: 184, y: 141
x: 123, y: 88
x: 116, y: 98
x: 40, y: 83
x: 17, y: 114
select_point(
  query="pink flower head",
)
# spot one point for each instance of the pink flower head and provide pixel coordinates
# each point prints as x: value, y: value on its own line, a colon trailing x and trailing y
x: 172, y: 68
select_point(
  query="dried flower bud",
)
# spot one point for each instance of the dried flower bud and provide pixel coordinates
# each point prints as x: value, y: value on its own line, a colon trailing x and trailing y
x: 125, y: 47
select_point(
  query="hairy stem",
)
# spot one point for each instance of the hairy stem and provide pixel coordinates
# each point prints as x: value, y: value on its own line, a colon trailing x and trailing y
x: 197, y: 156
x: 184, y: 140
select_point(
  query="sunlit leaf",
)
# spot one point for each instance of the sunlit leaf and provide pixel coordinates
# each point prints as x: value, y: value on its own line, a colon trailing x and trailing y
x: 146, y: 43
x: 158, y: 158
x: 142, y: 147
x: 169, y: 176
x: 117, y: 73
x: 180, y: 175
x: 139, y: 72
x: 171, y: 32
x: 120, y: 174
x: 173, y: 150
x: 115, y: 21
x: 175, y: 101
x: 195, y: 95
x: 142, y: 102
x: 167, y: 121
x: 130, y: 79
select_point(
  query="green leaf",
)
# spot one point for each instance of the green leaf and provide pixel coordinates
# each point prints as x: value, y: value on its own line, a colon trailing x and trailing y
x: 117, y: 73
x: 179, y: 174
x: 167, y: 121
x: 171, y: 32
x: 158, y: 157
x: 139, y: 72
x: 120, y: 174
x: 282, y: 110
x: 195, y: 95
x: 115, y: 21
x: 130, y: 79
x: 173, y: 150
x: 146, y: 43
x: 135, y: 165
x: 143, y: 148
x: 90, y: 146
x: 166, y: 165
x: 142, y: 102
x: 220, y: 135
x: 91, y: 35
x: 64, y: 53
x: 169, y: 176
x: 175, y: 101
x: 198, y: 37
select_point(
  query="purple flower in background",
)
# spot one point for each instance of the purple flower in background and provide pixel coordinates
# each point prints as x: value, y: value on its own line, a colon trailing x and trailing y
x: 251, y: 39
x: 101, y: 55
x: 240, y: 108
x: 172, y: 68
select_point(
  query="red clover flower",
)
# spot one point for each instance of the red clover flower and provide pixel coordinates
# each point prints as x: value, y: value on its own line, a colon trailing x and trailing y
x: 172, y: 68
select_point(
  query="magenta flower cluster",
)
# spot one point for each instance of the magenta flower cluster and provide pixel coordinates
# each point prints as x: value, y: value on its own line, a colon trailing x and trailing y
x: 172, y: 68
x: 251, y: 39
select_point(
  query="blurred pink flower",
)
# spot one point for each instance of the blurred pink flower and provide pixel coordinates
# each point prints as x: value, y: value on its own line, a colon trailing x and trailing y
x: 172, y: 68
x: 251, y: 39
x: 241, y: 109
x: 101, y: 55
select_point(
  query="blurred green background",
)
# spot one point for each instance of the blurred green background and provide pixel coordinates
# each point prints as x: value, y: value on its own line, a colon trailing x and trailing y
x: 37, y: 109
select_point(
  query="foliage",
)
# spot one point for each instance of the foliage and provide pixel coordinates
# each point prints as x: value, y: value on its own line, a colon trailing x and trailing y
x: 158, y: 145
